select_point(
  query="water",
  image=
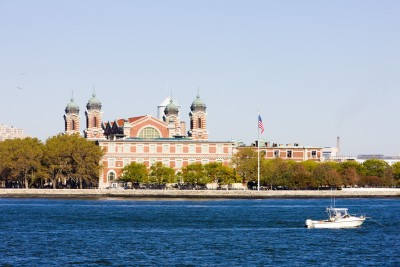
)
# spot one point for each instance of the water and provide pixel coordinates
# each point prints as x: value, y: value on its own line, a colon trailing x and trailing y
x: 112, y: 232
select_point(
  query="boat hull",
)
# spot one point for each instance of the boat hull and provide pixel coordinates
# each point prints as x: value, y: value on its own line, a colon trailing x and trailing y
x: 343, y: 223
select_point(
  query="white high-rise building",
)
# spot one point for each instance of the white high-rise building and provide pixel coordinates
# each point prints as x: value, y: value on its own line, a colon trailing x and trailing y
x: 9, y: 132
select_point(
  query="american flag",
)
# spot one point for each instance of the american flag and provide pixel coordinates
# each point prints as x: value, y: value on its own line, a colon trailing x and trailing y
x: 260, y: 124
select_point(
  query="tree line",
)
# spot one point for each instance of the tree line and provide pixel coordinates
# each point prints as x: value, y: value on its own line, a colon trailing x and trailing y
x: 279, y: 173
x: 195, y: 175
x: 63, y: 161
x: 71, y: 161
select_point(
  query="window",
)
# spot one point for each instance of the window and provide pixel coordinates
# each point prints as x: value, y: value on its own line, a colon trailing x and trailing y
x: 126, y: 148
x: 111, y: 176
x: 165, y: 148
x: 153, y: 149
x: 276, y: 153
x: 191, y: 161
x: 139, y: 160
x: 165, y: 162
x: 111, y: 148
x: 152, y: 161
x: 179, y: 148
x: 313, y: 154
x: 179, y: 163
x: 139, y: 149
x: 126, y: 162
x: 111, y: 163
x: 73, y: 126
x: 94, y: 122
x: 204, y: 148
x: 289, y: 153
x: 199, y: 123
x: 220, y: 160
x: 192, y: 149
x: 149, y: 132
x: 220, y: 149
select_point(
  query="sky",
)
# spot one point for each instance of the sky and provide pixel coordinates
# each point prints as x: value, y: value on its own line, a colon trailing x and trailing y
x: 314, y: 70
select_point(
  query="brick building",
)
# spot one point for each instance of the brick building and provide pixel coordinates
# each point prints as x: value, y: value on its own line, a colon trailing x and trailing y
x: 293, y: 152
x: 146, y: 139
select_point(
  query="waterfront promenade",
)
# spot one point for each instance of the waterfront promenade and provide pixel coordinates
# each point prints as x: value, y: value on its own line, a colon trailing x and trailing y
x: 206, y: 194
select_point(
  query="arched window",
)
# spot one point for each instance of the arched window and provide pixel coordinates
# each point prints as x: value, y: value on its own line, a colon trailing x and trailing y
x: 199, y: 123
x: 149, y: 133
x: 95, y: 122
x: 73, y: 125
x: 111, y: 176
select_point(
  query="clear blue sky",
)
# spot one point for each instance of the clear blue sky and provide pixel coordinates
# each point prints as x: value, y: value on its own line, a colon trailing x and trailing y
x: 314, y: 69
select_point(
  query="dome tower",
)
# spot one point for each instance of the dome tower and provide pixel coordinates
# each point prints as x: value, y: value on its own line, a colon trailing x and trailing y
x: 171, y: 116
x: 71, y: 117
x: 94, y: 117
x: 198, y: 120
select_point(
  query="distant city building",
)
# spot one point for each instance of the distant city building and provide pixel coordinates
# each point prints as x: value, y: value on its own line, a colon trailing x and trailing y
x: 9, y: 132
x: 362, y: 158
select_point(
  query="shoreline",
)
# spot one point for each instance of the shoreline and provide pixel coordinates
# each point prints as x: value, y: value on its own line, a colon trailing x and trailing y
x: 198, y: 194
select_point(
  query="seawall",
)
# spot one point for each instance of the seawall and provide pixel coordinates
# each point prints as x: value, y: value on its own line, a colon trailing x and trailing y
x: 200, y: 194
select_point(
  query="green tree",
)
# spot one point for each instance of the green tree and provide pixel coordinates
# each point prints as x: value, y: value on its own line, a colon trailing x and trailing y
x: 245, y: 162
x: 221, y: 174
x: 195, y: 174
x: 72, y: 159
x: 396, y: 174
x: 326, y: 174
x: 375, y: 167
x: 86, y: 156
x: 20, y: 160
x: 161, y: 174
x: 135, y: 173
x: 376, y: 173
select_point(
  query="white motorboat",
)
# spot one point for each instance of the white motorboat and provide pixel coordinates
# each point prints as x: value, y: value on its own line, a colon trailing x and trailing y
x: 338, y: 218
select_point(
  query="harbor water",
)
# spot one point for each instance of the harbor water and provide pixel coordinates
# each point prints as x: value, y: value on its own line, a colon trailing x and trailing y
x: 182, y: 232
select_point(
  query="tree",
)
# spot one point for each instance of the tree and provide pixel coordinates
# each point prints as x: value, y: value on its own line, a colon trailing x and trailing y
x: 349, y: 170
x: 86, y: 156
x: 135, y: 173
x: 376, y: 173
x: 245, y: 164
x: 195, y: 174
x: 221, y: 174
x: 301, y: 177
x: 326, y: 174
x: 72, y: 159
x: 161, y: 174
x: 375, y: 167
x: 396, y: 174
x: 21, y: 159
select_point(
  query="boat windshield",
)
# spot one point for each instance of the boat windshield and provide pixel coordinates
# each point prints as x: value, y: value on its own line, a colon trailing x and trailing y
x: 335, y: 212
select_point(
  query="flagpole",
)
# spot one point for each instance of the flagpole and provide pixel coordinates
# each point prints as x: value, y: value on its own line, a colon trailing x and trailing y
x: 258, y: 155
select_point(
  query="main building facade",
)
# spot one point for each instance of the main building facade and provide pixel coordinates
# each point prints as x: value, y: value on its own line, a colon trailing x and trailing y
x: 146, y: 139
